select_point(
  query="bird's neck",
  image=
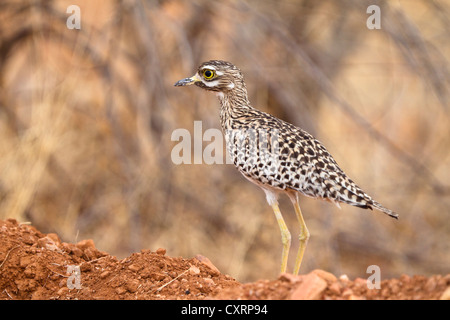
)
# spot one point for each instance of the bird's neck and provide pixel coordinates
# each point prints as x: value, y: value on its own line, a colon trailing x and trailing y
x: 234, y: 105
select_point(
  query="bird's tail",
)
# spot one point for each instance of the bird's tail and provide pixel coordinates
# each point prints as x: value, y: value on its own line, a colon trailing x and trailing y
x: 390, y: 213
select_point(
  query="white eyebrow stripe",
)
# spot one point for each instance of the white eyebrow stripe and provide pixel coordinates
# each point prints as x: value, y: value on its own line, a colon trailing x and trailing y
x: 219, y: 73
x: 209, y: 67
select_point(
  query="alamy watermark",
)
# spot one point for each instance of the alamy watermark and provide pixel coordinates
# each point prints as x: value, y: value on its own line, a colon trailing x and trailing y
x: 74, y: 279
x: 374, y: 280
x: 374, y: 20
x: 244, y: 146
x: 74, y: 20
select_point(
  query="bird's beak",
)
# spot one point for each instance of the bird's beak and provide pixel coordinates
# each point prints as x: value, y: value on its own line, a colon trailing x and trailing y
x: 187, y: 81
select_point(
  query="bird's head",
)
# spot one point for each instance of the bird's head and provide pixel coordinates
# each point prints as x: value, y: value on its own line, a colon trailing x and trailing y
x: 215, y: 75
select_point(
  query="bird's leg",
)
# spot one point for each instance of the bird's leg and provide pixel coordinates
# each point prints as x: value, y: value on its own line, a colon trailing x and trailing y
x: 304, y: 233
x: 285, y: 236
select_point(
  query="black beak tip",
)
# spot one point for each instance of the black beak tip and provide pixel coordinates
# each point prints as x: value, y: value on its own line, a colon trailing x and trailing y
x: 183, y: 82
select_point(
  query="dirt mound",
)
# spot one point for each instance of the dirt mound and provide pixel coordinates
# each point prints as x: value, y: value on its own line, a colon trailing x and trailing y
x: 34, y: 265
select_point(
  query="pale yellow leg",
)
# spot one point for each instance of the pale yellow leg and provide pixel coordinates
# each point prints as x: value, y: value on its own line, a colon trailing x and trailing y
x: 285, y: 236
x: 304, y: 234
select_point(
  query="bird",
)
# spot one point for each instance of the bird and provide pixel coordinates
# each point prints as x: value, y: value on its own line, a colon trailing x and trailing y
x: 276, y: 155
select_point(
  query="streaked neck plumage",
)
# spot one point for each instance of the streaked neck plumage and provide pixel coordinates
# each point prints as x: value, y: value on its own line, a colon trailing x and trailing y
x: 234, y: 104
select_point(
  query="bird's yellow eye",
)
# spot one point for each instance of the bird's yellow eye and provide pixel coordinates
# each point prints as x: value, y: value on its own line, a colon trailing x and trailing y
x: 208, y: 74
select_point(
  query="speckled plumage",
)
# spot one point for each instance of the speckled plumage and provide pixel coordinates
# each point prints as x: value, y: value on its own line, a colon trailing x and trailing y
x: 272, y: 153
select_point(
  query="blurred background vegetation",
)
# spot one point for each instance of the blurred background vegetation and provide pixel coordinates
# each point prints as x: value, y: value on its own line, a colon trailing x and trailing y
x: 86, y: 118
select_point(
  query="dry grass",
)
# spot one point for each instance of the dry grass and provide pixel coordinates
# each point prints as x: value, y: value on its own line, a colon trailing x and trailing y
x: 86, y: 118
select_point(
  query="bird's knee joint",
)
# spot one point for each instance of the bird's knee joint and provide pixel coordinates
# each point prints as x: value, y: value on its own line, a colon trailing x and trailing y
x: 286, y: 238
x: 303, y: 237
